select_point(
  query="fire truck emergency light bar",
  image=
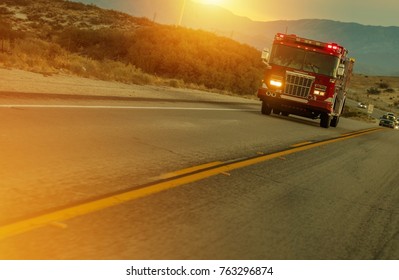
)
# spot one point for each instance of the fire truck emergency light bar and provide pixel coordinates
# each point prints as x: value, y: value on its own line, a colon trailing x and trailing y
x: 293, y: 38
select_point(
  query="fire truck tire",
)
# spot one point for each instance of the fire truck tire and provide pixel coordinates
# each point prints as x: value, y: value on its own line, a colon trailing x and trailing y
x: 334, y: 121
x: 325, y: 120
x: 285, y: 114
x: 266, y: 109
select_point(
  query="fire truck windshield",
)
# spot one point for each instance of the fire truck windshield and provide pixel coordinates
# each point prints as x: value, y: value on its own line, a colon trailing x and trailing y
x: 304, y: 60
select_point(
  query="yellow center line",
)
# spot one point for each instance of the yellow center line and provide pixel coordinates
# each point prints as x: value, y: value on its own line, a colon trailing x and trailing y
x: 301, y: 144
x: 356, y: 132
x: 16, y: 228
x: 189, y: 170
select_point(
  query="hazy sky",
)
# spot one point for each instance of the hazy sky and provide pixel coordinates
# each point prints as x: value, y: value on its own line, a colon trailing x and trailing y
x: 368, y: 12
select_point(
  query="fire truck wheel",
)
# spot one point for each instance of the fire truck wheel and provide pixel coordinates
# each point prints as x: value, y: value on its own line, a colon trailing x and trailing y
x: 285, y: 114
x: 266, y: 109
x: 334, y: 121
x: 325, y: 120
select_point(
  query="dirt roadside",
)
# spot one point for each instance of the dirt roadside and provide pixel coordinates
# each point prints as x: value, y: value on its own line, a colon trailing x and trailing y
x: 19, y: 81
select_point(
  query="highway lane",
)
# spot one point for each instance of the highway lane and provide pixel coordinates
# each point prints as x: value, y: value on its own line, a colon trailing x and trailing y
x: 52, y: 157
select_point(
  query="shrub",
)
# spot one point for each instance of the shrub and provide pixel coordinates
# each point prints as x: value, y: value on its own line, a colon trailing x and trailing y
x: 16, y: 2
x: 373, y: 90
x: 75, y: 6
x: 4, y: 11
x: 196, y: 57
x: 175, y: 83
x: 382, y: 85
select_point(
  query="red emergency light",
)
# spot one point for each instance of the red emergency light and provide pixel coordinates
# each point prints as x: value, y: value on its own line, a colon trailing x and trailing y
x: 331, y: 47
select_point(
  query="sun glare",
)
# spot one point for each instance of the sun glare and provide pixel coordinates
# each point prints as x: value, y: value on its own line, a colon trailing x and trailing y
x: 210, y: 2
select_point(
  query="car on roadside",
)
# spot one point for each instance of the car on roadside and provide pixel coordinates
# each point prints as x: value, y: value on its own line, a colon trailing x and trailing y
x: 388, y: 120
x: 362, y: 105
x: 394, y: 117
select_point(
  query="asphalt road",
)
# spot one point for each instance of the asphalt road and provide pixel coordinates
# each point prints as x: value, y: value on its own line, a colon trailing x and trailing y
x: 99, y: 178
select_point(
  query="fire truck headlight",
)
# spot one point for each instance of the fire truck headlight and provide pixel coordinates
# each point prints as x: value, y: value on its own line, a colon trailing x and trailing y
x: 276, y: 82
x: 319, y: 92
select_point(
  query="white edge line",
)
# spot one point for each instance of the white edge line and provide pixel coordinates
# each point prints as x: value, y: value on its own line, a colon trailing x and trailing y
x: 117, y: 107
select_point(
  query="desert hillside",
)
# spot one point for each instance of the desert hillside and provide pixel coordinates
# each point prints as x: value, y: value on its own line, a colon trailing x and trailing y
x: 381, y: 91
x: 56, y: 36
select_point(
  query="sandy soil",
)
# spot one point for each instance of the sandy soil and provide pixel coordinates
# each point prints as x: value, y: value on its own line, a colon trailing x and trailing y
x: 27, y: 82
x: 361, y: 83
x: 22, y: 81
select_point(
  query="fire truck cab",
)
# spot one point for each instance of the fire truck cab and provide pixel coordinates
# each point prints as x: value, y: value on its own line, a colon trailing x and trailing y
x: 305, y: 77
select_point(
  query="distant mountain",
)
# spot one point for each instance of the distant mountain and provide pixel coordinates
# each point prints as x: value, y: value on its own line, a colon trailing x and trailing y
x: 162, y: 11
x: 375, y: 48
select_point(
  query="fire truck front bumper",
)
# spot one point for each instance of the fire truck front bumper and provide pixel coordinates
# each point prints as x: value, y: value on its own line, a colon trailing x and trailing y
x: 306, y: 107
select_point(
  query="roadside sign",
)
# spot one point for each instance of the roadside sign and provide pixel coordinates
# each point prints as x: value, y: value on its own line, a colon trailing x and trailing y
x: 370, y: 108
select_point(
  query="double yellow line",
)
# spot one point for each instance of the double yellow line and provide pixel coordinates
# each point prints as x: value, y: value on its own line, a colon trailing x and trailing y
x: 169, y: 181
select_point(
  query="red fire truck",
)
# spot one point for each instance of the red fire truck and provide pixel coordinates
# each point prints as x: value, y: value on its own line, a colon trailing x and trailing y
x: 305, y: 77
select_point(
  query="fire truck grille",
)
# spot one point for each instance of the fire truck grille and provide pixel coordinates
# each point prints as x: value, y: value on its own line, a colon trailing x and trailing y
x: 297, y: 84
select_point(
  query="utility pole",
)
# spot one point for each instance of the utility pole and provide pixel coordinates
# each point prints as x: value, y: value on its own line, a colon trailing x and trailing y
x: 182, y: 12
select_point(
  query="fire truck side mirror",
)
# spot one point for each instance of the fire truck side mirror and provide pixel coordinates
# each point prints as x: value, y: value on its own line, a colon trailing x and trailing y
x: 265, y: 55
x: 341, y: 70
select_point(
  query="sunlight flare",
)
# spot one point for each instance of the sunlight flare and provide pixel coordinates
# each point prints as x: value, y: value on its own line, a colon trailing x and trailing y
x: 211, y: 2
